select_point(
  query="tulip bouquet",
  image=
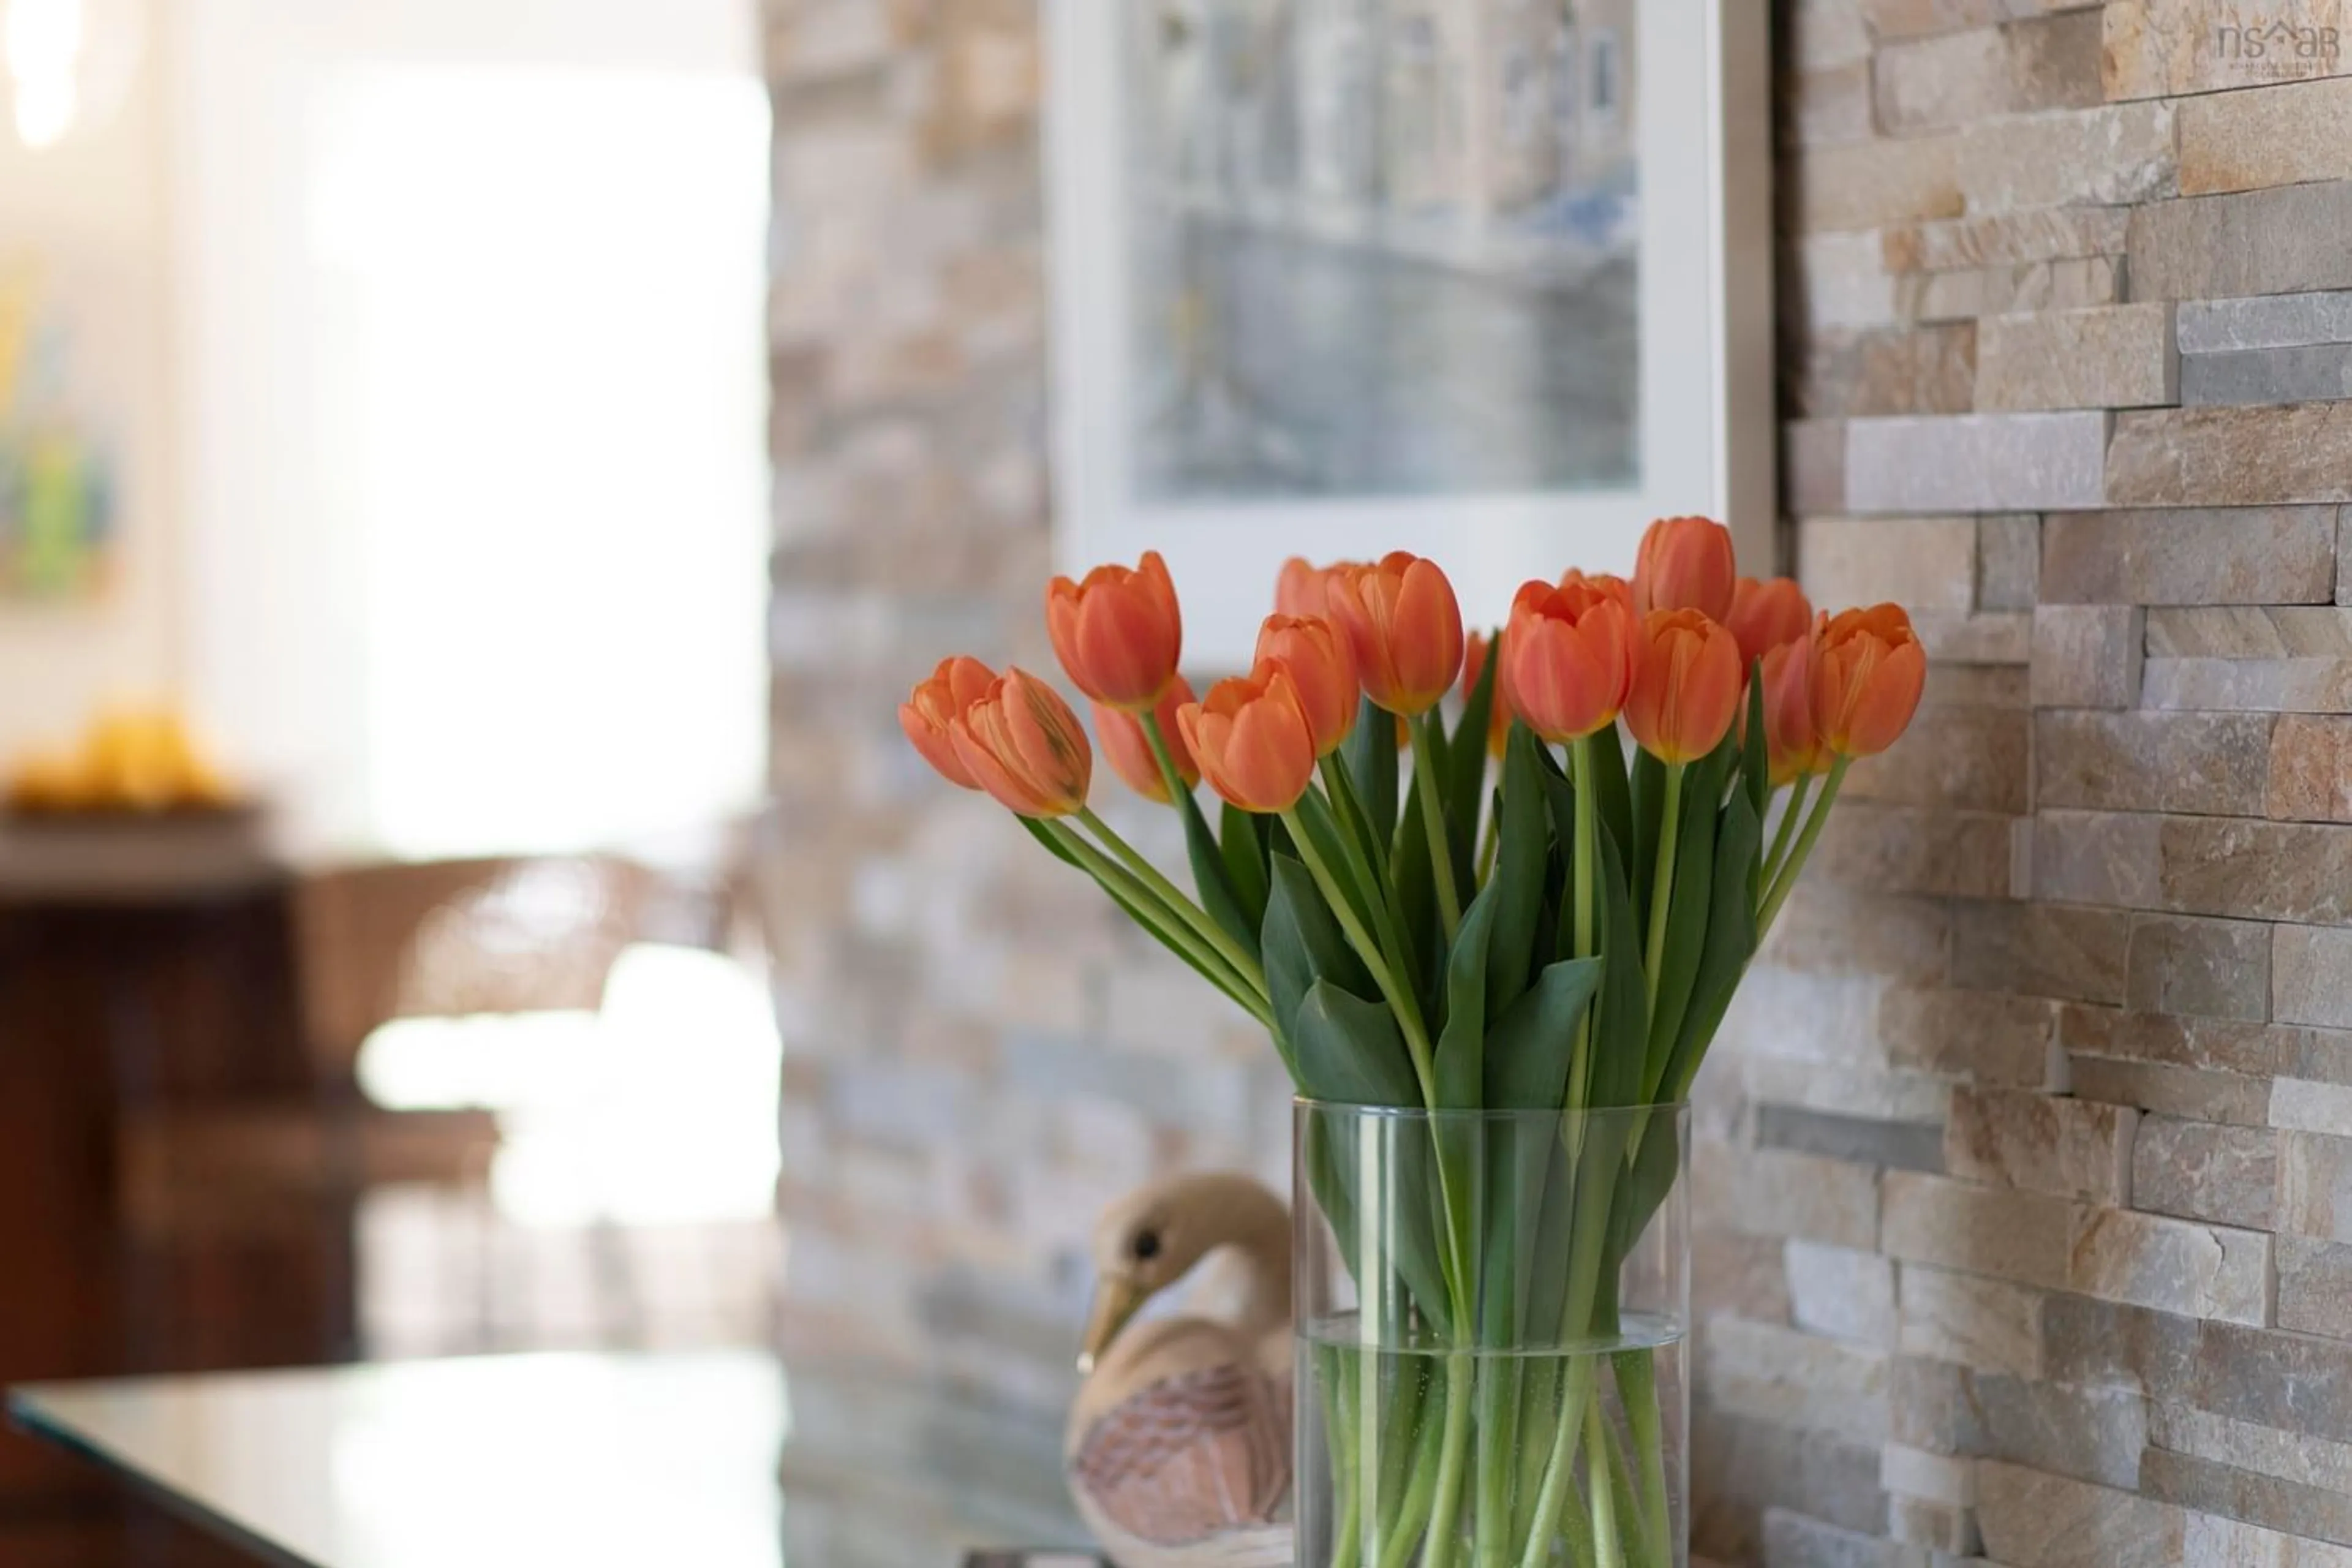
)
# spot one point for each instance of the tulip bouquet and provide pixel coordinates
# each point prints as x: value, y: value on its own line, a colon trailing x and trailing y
x: 1517, y: 913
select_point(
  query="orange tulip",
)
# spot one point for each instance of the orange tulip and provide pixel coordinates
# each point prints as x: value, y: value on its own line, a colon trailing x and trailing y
x: 1128, y: 749
x: 1322, y: 667
x: 1791, y: 739
x: 1765, y: 615
x: 1251, y: 735
x: 1473, y: 670
x: 1868, y: 673
x: 1299, y: 589
x: 1405, y: 626
x: 1568, y: 659
x: 1022, y: 745
x: 1119, y: 632
x: 1685, y: 563
x: 1687, y: 682
x: 1606, y: 583
x: 937, y: 703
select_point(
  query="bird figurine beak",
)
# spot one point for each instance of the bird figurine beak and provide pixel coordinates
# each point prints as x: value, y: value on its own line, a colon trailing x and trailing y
x: 1115, y: 1300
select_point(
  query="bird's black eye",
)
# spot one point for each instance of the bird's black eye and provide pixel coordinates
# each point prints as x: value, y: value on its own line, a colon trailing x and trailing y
x: 1147, y: 1245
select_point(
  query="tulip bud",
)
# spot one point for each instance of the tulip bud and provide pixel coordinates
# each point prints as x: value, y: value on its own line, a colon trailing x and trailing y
x: 1685, y: 563
x: 1021, y: 743
x: 1119, y: 632
x: 1128, y: 749
x: 1473, y: 670
x: 1687, y: 682
x: 1869, y: 672
x: 1405, y: 627
x: 1607, y: 583
x: 1299, y: 589
x: 937, y: 703
x: 1792, y: 740
x: 1568, y: 659
x: 1252, y: 736
x: 1765, y: 615
x: 1322, y: 667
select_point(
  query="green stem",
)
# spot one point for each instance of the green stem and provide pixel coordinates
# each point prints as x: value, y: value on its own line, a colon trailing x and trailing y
x: 1398, y: 994
x: 1246, y: 989
x: 1637, y: 1389
x: 1787, y: 829
x: 1501, y: 1389
x: 1491, y: 841
x: 1607, y: 1551
x: 1786, y: 882
x: 1426, y: 735
x: 1559, y: 1475
x: 1365, y: 866
x: 1662, y: 886
x: 1182, y: 907
x: 1583, y: 919
x: 1413, y: 1517
x: 1446, y: 1507
x: 1169, y: 773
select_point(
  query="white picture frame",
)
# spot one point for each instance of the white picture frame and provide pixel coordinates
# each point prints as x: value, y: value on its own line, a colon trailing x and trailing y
x: 1706, y: 431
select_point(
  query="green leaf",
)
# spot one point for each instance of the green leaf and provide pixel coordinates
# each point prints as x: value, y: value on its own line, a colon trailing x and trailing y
x: 1561, y: 795
x: 1241, y: 845
x: 1688, y: 910
x: 1371, y: 756
x: 1642, y: 850
x: 1350, y: 1052
x: 1529, y: 1050
x: 1416, y: 897
x: 1225, y: 906
x: 1304, y: 944
x: 1323, y: 830
x: 1755, y: 754
x: 1461, y: 1064
x: 1463, y: 769
x: 1613, y: 795
x: 1730, y: 944
x: 1522, y: 862
x: 1622, y: 1015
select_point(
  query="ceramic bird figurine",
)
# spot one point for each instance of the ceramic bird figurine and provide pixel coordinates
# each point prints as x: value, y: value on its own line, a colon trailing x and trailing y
x: 1177, y: 1448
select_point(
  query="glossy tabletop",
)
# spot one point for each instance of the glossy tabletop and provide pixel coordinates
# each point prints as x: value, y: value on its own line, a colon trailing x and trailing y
x: 586, y: 1460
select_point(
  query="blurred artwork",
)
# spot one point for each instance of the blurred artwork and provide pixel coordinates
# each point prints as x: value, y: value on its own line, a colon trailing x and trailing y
x: 1381, y: 247
x: 59, y: 485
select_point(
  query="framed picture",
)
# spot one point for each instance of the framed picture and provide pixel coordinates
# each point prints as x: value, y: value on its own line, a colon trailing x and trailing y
x: 1489, y: 280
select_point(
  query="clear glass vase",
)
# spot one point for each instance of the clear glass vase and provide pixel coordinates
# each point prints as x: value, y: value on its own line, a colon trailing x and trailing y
x: 1493, y: 1311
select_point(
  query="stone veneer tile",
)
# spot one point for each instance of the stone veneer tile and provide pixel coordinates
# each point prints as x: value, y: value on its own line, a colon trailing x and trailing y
x: 2210, y: 1043
x: 2293, y: 1381
x: 2031, y: 1518
x: 2199, y: 764
x: 2158, y: 47
x: 2106, y: 1344
x: 2091, y: 1434
x: 2009, y: 561
x: 1930, y: 1477
x: 2285, y: 241
x: 2289, y: 134
x: 1739, y: 1459
x: 2200, y: 1171
x: 2290, y: 1455
x: 2257, y: 870
x: 2088, y: 656
x: 2076, y: 284
x: 2042, y: 950
x: 2249, y: 1495
x: 2115, y: 356
x: 1926, y: 565
x: 1767, y: 1192
x: 2013, y: 462
x: 1976, y: 1036
x: 2232, y: 457
x: 2260, y: 686
x: 2310, y: 769
x: 1995, y: 638
x: 2311, y: 968
x: 2105, y: 156
x: 1740, y: 1275
x: 1829, y: 930
x: 1829, y: 108
x: 2212, y: 1272
x: 2096, y: 857
x: 1795, y: 1378
x: 2260, y: 555
x: 2265, y: 376
x: 2010, y: 1138
x: 1902, y: 849
x: 1894, y: 1145
x: 1972, y: 759
x: 1793, y: 1541
x: 2171, y: 1090
x: 1990, y: 1325
x: 1842, y: 1293
x: 2006, y: 240
x: 1880, y: 370
x: 2272, y: 321
x: 1813, y: 464
x: 2216, y: 968
x: 1939, y: 83
x: 1824, y: 33
x: 2022, y: 1236
x: 2315, y: 1190
x: 2314, y: 1287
